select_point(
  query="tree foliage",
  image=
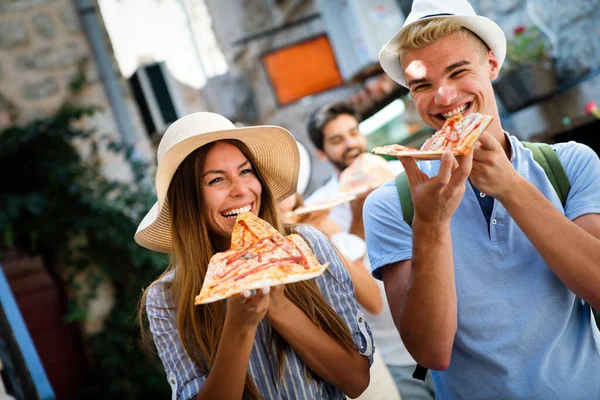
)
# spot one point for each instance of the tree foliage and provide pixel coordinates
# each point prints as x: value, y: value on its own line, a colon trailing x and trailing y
x: 59, y: 205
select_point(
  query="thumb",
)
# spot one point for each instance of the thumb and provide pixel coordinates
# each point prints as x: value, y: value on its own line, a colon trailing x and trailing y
x: 488, y: 142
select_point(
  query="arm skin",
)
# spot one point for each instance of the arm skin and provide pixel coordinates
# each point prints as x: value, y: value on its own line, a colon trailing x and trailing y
x: 348, y: 371
x: 571, y: 249
x: 228, y: 374
x: 421, y: 292
x: 367, y: 291
x: 422, y: 296
x: 365, y: 287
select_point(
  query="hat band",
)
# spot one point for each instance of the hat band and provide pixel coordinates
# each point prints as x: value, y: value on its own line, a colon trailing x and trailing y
x: 436, y: 15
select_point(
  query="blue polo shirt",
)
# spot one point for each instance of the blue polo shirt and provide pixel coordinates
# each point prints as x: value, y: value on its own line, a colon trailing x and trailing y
x: 522, y: 334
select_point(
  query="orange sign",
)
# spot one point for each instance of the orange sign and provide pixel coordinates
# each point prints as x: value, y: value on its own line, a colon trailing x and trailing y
x: 302, y: 69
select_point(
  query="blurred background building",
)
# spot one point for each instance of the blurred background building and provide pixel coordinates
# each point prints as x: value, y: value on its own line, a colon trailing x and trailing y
x: 149, y: 62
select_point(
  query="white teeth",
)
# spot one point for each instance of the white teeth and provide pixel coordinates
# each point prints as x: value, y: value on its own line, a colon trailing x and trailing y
x: 234, y: 212
x: 455, y: 111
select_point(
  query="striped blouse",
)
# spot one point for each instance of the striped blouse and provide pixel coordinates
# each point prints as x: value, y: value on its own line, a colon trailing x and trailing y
x: 186, y: 378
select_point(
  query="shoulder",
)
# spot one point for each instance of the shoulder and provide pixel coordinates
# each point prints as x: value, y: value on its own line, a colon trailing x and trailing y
x: 569, y: 151
x: 577, y: 159
x: 158, y: 293
x: 312, y: 235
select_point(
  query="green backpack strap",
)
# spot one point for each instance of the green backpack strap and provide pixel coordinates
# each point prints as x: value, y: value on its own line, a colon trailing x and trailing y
x: 547, y: 158
x: 543, y: 154
x: 405, y: 197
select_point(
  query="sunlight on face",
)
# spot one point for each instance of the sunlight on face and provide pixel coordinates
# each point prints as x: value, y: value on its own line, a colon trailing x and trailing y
x: 415, y: 70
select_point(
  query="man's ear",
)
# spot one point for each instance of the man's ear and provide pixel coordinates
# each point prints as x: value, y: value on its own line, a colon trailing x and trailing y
x: 493, y: 65
x: 321, y: 155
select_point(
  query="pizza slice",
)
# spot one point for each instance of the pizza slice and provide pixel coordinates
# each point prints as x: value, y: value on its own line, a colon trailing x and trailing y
x: 249, y: 229
x: 269, y: 261
x: 367, y: 172
x: 458, y: 135
x: 323, y: 205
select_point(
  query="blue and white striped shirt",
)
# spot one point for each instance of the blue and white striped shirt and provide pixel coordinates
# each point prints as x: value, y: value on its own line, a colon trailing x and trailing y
x: 186, y: 378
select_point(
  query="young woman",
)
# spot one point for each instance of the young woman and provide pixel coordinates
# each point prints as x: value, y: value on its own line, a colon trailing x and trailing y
x: 297, y: 341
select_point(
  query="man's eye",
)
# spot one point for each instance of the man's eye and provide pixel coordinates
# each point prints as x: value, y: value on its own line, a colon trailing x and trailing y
x: 457, y: 73
x: 419, y: 87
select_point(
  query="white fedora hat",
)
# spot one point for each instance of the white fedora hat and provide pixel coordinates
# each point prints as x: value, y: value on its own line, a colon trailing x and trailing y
x: 461, y: 11
x: 273, y: 147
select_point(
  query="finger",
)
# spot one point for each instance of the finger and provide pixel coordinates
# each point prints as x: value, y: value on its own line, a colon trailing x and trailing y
x: 411, y: 169
x: 246, y: 293
x: 266, y: 290
x: 454, y: 164
x: 445, y: 171
x: 464, y: 168
x: 488, y: 142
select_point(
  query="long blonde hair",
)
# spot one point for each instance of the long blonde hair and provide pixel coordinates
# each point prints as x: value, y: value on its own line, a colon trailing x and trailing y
x: 200, y: 327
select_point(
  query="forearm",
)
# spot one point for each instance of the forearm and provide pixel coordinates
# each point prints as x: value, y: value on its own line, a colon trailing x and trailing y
x: 367, y: 291
x: 228, y: 373
x: 428, y: 322
x: 358, y: 228
x: 348, y: 371
x: 569, y: 251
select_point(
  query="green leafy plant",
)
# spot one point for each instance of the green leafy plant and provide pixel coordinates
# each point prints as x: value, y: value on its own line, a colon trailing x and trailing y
x: 59, y: 205
x: 528, y: 46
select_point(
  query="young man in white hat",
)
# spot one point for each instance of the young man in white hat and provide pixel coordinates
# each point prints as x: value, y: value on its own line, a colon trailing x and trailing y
x: 491, y: 286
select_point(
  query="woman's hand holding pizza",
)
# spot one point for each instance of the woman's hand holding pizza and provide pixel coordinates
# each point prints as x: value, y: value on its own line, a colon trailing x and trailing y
x: 492, y: 172
x: 246, y: 310
x: 435, y: 199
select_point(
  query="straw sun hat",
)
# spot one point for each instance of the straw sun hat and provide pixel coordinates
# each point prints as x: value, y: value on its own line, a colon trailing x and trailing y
x: 273, y: 147
x: 461, y: 11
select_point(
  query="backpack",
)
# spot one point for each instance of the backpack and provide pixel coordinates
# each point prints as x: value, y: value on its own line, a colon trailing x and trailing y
x: 543, y: 154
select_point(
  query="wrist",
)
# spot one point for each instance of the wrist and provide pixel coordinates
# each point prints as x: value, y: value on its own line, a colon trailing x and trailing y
x: 278, y: 310
x: 513, y: 191
x: 242, y: 329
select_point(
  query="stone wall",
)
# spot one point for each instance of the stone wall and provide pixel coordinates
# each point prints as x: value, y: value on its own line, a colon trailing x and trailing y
x: 576, y: 26
x: 41, y: 44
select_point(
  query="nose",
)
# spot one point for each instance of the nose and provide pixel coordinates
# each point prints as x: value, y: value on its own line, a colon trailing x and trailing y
x: 446, y: 94
x: 238, y: 188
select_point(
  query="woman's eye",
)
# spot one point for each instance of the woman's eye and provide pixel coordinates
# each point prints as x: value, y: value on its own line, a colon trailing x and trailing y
x: 247, y: 171
x: 213, y: 181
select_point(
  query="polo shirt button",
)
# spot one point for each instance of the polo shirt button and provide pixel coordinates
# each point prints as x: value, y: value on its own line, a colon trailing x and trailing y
x: 481, y: 194
x: 494, y: 222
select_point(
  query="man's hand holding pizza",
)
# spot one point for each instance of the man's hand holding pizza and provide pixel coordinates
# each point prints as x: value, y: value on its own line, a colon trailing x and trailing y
x: 435, y: 199
x: 492, y: 172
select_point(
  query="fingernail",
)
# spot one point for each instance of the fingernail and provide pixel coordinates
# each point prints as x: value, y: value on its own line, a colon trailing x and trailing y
x: 246, y: 293
x: 266, y: 290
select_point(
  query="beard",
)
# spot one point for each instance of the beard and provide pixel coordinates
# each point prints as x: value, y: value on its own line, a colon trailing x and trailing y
x: 342, y: 164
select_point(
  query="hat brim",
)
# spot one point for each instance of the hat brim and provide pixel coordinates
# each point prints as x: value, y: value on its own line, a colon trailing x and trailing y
x: 273, y: 147
x: 485, y: 28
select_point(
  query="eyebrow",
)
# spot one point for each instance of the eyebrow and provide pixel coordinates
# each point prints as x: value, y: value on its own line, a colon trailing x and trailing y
x: 220, y: 171
x: 447, y: 70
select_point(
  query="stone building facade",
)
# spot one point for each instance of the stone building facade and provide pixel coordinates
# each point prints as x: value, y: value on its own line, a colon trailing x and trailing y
x: 42, y: 42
